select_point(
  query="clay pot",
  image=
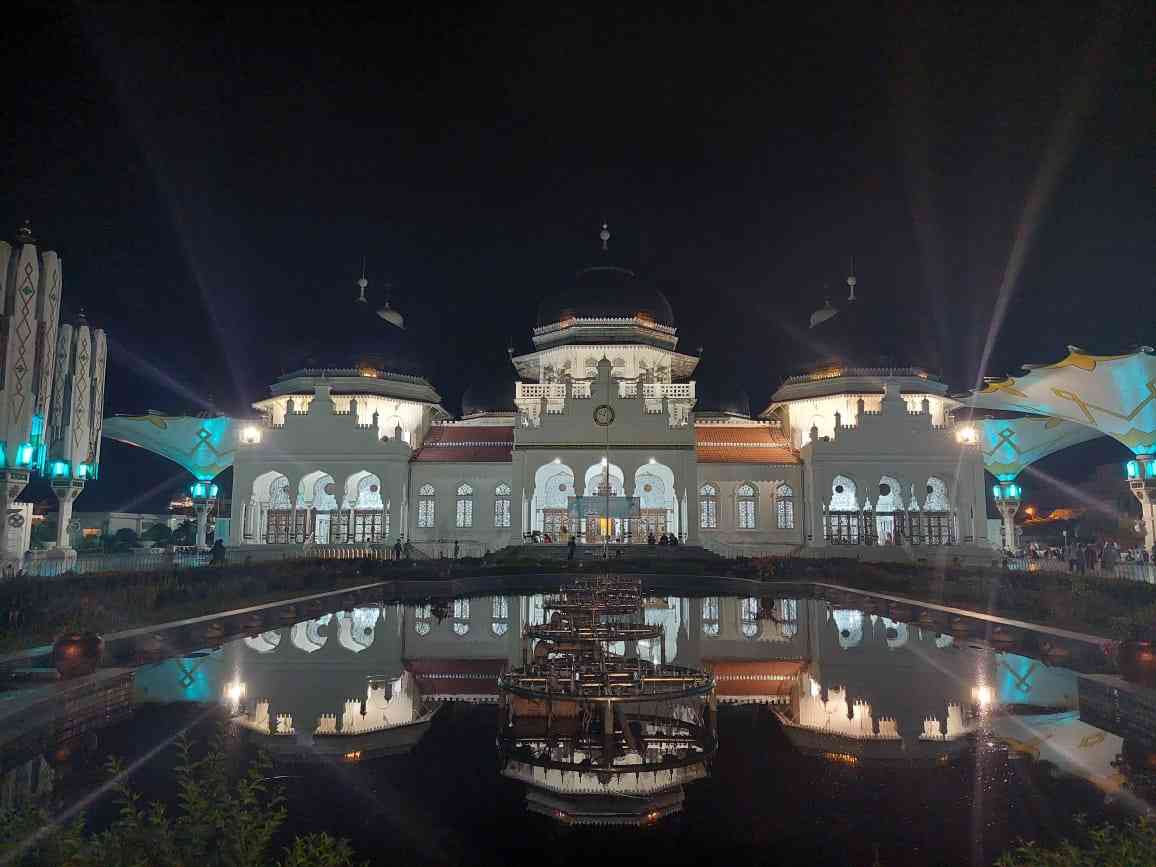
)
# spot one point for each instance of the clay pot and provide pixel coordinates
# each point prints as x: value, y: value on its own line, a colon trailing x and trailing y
x: 76, y: 654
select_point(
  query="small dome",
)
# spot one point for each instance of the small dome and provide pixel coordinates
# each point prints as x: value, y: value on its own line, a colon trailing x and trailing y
x: 606, y: 291
x: 823, y: 313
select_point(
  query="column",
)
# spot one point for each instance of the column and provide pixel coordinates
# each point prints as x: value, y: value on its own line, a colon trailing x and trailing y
x: 1007, y: 500
x: 1141, y: 474
x: 12, y: 482
x: 66, y: 492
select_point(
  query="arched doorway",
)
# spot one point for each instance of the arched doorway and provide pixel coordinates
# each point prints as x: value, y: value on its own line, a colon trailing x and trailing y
x: 365, y: 512
x: 270, y: 510
x: 553, y: 488
x: 657, y: 503
x: 603, y: 481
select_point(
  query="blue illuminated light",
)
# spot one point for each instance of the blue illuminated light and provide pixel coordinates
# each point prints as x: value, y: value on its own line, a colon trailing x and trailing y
x: 995, y: 491
x: 24, y: 455
x: 60, y: 469
x: 1133, y: 469
x: 1150, y: 469
x: 202, y: 490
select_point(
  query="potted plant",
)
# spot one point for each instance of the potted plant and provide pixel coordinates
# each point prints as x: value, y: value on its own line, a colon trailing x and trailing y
x: 77, y: 650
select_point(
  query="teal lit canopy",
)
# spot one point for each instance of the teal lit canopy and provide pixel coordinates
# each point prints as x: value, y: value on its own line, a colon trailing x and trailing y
x: 203, y: 446
x: 1114, y: 395
x: 1010, y: 444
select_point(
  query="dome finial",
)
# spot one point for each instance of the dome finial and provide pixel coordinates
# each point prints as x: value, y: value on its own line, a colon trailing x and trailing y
x: 605, y: 236
x: 851, y: 281
x: 362, y: 282
x: 24, y: 234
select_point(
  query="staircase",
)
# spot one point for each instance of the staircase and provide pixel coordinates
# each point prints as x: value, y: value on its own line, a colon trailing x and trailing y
x: 627, y: 552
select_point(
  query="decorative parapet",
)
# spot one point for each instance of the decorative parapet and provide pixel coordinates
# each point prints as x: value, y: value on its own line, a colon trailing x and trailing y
x: 534, y: 399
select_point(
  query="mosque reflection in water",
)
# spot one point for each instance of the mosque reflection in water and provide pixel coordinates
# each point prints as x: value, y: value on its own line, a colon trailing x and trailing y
x: 848, y: 687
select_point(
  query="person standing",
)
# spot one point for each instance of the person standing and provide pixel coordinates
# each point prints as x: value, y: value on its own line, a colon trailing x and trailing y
x: 571, y: 546
x: 397, y: 548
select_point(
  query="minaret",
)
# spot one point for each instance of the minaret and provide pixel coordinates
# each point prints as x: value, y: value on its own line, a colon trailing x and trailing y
x: 851, y: 281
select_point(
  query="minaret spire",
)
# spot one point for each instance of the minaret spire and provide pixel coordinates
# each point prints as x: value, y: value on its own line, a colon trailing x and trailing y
x: 362, y: 282
x: 605, y: 236
x: 851, y: 281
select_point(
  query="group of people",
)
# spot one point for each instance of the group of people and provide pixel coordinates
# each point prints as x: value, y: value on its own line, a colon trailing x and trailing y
x: 1092, y: 557
x: 664, y: 539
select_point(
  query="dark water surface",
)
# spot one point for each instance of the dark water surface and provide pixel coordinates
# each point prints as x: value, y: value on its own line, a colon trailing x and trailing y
x: 845, y: 736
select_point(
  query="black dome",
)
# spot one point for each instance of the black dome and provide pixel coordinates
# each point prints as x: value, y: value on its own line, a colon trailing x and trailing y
x: 354, y: 335
x: 606, y: 291
x: 487, y: 396
x: 852, y: 334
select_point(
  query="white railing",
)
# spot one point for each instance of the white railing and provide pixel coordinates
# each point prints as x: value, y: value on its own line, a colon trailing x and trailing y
x: 141, y: 560
x: 1131, y: 571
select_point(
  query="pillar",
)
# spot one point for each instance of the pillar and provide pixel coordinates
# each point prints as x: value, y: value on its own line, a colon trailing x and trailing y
x: 202, y: 511
x: 1141, y: 474
x: 66, y: 490
x: 12, y: 483
x: 1007, y: 500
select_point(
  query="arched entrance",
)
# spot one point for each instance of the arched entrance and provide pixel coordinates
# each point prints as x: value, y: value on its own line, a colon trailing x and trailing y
x: 658, y: 505
x: 604, y: 481
x: 553, y: 488
x: 365, y: 513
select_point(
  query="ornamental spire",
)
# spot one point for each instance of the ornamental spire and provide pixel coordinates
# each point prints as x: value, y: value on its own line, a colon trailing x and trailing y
x: 362, y: 282
x: 851, y: 281
x: 605, y: 236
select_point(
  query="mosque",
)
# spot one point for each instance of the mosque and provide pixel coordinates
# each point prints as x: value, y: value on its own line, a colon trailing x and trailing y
x: 606, y: 443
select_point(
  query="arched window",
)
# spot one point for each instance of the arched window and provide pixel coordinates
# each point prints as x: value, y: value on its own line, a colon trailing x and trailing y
x: 425, y: 506
x: 785, y: 507
x: 465, y: 514
x: 747, y: 506
x: 421, y: 619
x: 710, y: 615
x: 500, y: 615
x: 708, y: 507
x: 750, y: 617
x: 502, y: 505
x: 461, y: 624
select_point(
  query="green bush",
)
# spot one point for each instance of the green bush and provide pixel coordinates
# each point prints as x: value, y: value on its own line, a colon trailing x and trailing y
x: 222, y: 820
x: 1130, y: 845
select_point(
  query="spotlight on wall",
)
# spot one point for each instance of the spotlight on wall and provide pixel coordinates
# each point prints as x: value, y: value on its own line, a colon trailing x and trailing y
x: 967, y: 436
x: 250, y: 434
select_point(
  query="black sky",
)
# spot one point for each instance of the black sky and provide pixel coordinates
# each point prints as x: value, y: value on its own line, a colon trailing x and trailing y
x: 212, y: 178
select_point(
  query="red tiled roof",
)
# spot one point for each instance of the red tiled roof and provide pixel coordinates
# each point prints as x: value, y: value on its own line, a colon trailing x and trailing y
x: 735, y: 678
x: 456, y: 676
x: 467, y: 443
x: 742, y: 444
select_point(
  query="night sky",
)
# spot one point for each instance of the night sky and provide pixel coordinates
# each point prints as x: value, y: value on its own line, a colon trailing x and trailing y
x: 213, y: 177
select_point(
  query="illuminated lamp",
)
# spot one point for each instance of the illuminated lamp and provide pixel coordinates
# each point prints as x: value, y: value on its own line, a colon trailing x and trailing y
x: 250, y: 434
x: 1133, y: 469
x: 995, y: 491
x: 59, y: 469
x: 85, y: 471
x: 24, y: 455
x: 966, y: 436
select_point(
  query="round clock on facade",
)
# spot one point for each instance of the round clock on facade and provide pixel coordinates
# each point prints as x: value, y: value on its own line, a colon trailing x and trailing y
x: 603, y: 415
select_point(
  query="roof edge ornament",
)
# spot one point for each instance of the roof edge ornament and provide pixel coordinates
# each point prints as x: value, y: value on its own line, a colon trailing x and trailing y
x: 604, y: 236
x: 362, y: 283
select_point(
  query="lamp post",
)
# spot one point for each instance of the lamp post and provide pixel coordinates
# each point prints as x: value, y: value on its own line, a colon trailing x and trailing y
x: 1141, y: 474
x: 1007, y: 499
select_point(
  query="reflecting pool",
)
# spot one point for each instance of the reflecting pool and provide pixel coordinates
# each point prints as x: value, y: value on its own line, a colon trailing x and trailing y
x: 846, y: 732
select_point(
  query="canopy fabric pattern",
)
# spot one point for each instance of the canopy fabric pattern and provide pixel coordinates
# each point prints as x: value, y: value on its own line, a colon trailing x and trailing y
x: 1114, y: 394
x: 203, y: 446
x: 1010, y: 444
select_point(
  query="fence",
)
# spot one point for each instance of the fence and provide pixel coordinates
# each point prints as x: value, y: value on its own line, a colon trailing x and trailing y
x: 1128, y: 570
x: 41, y: 565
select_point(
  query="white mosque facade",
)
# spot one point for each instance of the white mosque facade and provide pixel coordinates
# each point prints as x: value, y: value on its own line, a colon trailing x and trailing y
x: 607, y: 444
